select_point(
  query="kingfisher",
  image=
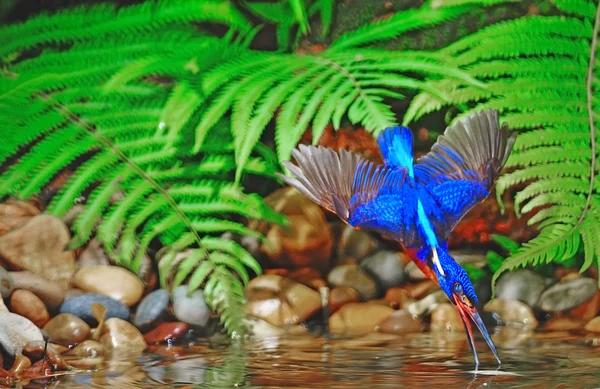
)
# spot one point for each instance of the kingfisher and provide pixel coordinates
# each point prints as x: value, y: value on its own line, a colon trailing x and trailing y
x: 417, y: 204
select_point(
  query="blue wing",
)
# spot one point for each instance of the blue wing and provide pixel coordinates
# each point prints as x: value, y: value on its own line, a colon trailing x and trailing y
x: 396, y: 144
x: 365, y: 195
x: 459, y: 171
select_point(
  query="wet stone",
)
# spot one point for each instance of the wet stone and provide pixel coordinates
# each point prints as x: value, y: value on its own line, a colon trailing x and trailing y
x: 122, y: 337
x: 593, y: 325
x: 445, y: 318
x: 401, y: 322
x: 354, y: 277
x: 523, y: 285
x: 81, y: 306
x: 190, y: 309
x: 341, y: 296
x: 87, y: 349
x: 66, y: 329
x: 563, y: 296
x: 165, y: 332
x: 512, y: 312
x: 27, y: 304
x: 50, y: 292
x: 358, y: 318
x: 151, y: 309
x: 386, y: 268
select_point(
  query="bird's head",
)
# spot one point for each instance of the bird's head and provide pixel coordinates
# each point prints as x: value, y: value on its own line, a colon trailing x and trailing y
x: 456, y: 284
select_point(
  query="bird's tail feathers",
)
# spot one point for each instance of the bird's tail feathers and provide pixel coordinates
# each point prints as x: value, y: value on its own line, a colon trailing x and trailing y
x: 324, y: 176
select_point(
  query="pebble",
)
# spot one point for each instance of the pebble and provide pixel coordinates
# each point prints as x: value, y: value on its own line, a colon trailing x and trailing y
x: 426, y: 304
x: 87, y: 349
x: 190, y: 309
x: 66, y: 329
x: 7, y: 284
x: 400, y: 323
x: 563, y: 324
x: 27, y: 304
x: 588, y: 310
x: 39, y: 246
x: 354, y: 277
x: 81, y: 306
x: 414, y: 273
x: 386, y: 268
x: 50, y: 292
x: 281, y: 301
x: 445, y: 318
x: 261, y: 329
x: 112, y: 281
x: 13, y: 214
x: 523, y: 285
x: 341, y: 296
x: 354, y: 243
x: 122, y: 337
x: 93, y: 255
x: 512, y: 312
x: 566, y: 295
x: 166, y: 331
x: 593, y: 325
x: 151, y: 309
x: 358, y: 318
x: 16, y: 331
x: 307, y: 276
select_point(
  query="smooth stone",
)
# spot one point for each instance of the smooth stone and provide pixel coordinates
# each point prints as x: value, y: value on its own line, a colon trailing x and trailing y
x: 112, y: 281
x: 354, y: 277
x: 16, y: 331
x: 512, y: 312
x: 445, y: 318
x: 7, y: 284
x: 87, y: 349
x: 281, y: 301
x: 563, y: 324
x: 50, y: 292
x: 190, y: 309
x: 341, y: 296
x: 39, y: 246
x: 523, y: 285
x: 93, y: 255
x: 81, y: 306
x: 593, y: 325
x: 566, y: 295
x: 307, y: 276
x: 358, y: 318
x: 260, y: 329
x: 165, y: 332
x: 66, y: 329
x: 386, y: 268
x: 73, y: 292
x: 27, y: 304
x: 14, y: 214
x: 400, y: 323
x: 426, y: 304
x: 122, y: 337
x: 151, y: 309
x: 355, y: 243
x: 414, y: 273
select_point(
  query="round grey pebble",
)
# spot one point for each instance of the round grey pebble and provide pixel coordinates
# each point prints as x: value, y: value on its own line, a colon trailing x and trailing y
x: 7, y: 284
x: 566, y: 295
x: 151, y: 309
x: 81, y: 306
x: 190, y: 309
x: 523, y: 285
x: 386, y: 268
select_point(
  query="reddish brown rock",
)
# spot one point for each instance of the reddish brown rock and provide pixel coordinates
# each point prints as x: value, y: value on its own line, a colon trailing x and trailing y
x: 27, y: 304
x: 307, y: 242
x: 563, y: 323
x: 50, y: 292
x: 593, y: 325
x: 165, y: 332
x: 396, y: 297
x: 401, y: 322
x: 588, y: 309
x: 358, y: 318
x: 341, y: 296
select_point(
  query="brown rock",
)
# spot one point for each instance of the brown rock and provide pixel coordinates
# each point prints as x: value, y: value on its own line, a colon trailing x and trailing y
x: 354, y: 277
x: 281, y: 301
x: 593, y: 325
x: 341, y: 296
x: 562, y: 323
x: 512, y: 312
x: 50, y: 292
x: 111, y: 281
x: 307, y: 276
x: 87, y: 349
x: 14, y: 214
x: 66, y: 329
x: 421, y: 289
x: 39, y: 246
x: 122, y: 337
x: 308, y: 241
x: 27, y: 304
x: 397, y: 296
x: 445, y: 318
x: 165, y: 332
x: 358, y: 318
x: 355, y: 243
x: 401, y: 322
x: 588, y: 309
x: 93, y: 255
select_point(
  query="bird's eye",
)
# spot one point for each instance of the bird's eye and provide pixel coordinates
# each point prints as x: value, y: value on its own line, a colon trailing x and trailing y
x: 458, y: 289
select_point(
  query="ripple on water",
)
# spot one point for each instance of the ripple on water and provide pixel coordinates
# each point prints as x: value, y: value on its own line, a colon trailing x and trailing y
x: 423, y: 360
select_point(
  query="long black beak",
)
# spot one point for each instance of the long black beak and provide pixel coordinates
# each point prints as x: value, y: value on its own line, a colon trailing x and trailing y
x: 467, y: 311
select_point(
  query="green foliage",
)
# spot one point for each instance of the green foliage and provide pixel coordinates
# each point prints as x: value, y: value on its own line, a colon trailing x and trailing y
x: 541, y: 74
